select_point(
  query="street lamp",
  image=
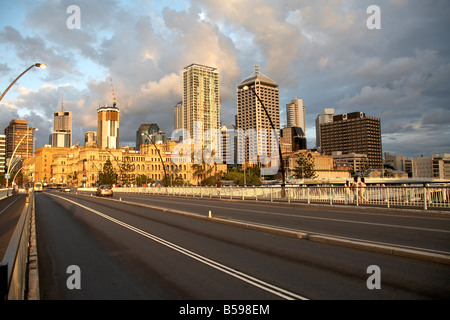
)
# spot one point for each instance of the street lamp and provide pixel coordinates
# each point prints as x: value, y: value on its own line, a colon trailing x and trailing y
x: 12, y: 157
x: 159, y: 153
x: 283, y: 184
x: 38, y: 65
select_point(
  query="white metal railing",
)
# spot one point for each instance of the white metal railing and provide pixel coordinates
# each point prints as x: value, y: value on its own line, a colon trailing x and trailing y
x: 386, y: 196
x: 5, y: 193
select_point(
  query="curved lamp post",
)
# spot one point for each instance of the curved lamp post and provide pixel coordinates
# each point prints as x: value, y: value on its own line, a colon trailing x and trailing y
x: 159, y: 153
x: 12, y: 157
x: 38, y: 65
x: 283, y: 184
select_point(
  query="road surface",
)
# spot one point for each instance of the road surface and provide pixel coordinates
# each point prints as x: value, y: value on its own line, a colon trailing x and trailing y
x: 115, y: 250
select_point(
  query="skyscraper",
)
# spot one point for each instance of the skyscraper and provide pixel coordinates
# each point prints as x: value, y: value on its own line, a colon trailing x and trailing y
x: 152, y: 130
x: 324, y: 117
x: 251, y: 116
x: 108, y: 127
x: 178, y: 115
x: 18, y: 132
x: 201, y: 100
x: 353, y: 133
x: 61, y: 135
x: 296, y: 114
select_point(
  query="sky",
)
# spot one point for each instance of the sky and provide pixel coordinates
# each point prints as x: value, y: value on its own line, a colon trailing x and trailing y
x: 320, y: 51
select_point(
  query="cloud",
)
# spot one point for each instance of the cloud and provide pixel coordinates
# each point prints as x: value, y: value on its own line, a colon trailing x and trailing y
x: 320, y: 51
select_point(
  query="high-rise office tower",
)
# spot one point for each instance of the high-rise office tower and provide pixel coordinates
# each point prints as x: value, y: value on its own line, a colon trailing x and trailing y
x: 149, y: 131
x: 61, y: 135
x: 178, y: 116
x: 324, y: 117
x: 251, y: 116
x: 353, y: 133
x: 201, y: 100
x: 90, y: 139
x: 19, y: 135
x: 296, y: 114
x: 108, y: 127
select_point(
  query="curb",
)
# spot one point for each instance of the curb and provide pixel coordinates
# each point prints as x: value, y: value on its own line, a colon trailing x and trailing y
x: 32, y: 267
x: 395, y: 251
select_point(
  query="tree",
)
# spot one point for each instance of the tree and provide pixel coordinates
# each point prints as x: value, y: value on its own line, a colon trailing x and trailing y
x: 252, y: 176
x: 127, y: 169
x: 108, y: 175
x: 202, y: 171
x: 305, y: 167
x: 143, y: 179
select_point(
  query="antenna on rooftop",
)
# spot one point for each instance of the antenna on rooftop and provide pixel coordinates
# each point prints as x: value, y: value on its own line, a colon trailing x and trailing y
x: 112, y: 90
x: 257, y: 69
x: 62, y: 104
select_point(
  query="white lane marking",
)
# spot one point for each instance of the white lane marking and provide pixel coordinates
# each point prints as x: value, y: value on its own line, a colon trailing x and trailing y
x: 216, y: 265
x: 8, y: 206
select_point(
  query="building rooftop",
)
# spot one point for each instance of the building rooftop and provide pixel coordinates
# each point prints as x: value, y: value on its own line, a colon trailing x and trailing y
x: 258, y: 76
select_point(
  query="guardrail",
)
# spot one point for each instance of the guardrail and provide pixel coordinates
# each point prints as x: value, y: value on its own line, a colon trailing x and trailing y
x: 385, y: 196
x: 5, y: 193
x: 14, y: 265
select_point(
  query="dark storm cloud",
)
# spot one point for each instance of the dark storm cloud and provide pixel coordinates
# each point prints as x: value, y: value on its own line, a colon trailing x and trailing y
x: 321, y: 51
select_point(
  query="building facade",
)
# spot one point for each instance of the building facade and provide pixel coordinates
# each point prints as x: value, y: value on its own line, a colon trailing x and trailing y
x: 251, y: 116
x: 108, y: 127
x: 353, y: 133
x: 2, y: 154
x: 292, y: 139
x: 81, y: 166
x: 178, y: 115
x: 61, y: 135
x: 19, y: 135
x: 90, y: 139
x: 325, y: 116
x: 201, y: 101
x: 295, y: 111
x: 152, y: 130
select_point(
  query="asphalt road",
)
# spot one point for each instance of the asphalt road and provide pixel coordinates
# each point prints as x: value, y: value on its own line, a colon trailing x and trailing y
x: 10, y: 210
x: 130, y: 252
x: 406, y: 229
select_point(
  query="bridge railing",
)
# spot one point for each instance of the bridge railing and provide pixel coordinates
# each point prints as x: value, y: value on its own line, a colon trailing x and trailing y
x: 5, y: 193
x: 14, y: 264
x: 423, y: 197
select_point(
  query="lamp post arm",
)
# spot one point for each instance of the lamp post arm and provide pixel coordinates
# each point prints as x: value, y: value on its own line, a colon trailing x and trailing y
x: 159, y: 153
x: 12, y: 83
x: 276, y: 136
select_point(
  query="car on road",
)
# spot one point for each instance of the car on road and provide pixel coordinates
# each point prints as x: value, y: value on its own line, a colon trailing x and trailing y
x: 104, y: 191
x: 65, y: 189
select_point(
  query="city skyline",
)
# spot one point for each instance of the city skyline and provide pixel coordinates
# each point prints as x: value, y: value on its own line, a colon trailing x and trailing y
x: 323, y: 53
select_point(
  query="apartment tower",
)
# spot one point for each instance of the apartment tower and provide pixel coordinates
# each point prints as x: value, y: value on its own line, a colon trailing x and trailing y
x: 201, y: 100
x: 251, y: 116
x: 19, y: 135
x: 296, y: 114
x: 108, y: 127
